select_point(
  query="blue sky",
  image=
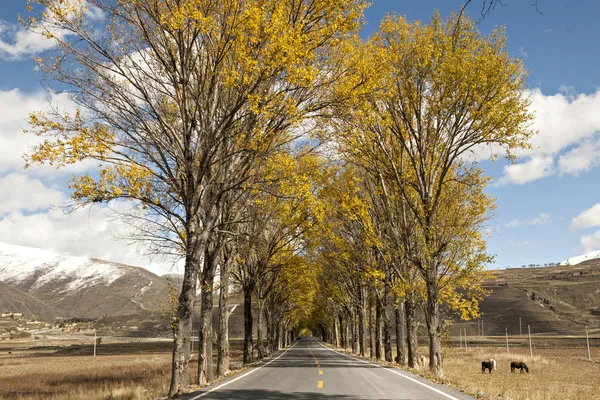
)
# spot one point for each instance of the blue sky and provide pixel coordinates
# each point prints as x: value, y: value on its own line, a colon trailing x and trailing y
x: 545, y: 201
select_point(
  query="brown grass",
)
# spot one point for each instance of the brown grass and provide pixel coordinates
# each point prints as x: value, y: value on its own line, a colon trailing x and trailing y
x: 136, y: 371
x: 561, y: 374
x: 68, y: 377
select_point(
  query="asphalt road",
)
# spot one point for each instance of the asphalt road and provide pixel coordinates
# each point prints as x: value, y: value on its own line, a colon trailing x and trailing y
x: 309, y: 370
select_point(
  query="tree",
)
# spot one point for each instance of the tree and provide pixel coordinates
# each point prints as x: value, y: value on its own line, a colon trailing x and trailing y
x: 429, y: 95
x: 283, y: 209
x: 178, y: 99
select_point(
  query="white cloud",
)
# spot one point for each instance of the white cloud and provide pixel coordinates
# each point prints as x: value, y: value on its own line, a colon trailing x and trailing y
x: 528, y: 171
x: 590, y: 242
x: 520, y: 244
x: 15, y: 110
x: 522, y: 52
x: 17, y: 41
x: 19, y: 193
x: 85, y: 232
x: 563, y: 121
x: 540, y: 219
x: 580, y: 159
x: 587, y: 219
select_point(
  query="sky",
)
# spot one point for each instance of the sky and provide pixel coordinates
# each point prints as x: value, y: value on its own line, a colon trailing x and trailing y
x: 548, y: 201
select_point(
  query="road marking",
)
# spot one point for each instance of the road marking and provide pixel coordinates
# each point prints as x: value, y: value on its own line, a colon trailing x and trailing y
x: 320, y: 372
x: 320, y: 385
x: 241, y: 376
x: 449, y: 396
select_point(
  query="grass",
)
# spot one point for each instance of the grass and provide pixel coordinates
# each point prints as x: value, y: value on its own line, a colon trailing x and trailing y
x: 556, y: 373
x: 553, y: 374
x: 133, y: 371
x: 67, y: 377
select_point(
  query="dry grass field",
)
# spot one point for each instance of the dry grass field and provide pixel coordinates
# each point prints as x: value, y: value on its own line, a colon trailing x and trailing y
x: 77, y: 377
x: 133, y: 371
x: 554, y: 374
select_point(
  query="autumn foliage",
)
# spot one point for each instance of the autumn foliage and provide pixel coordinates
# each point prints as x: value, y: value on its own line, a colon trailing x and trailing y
x: 210, y: 117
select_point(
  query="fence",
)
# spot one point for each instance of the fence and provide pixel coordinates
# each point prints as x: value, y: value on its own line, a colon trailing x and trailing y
x: 469, y: 335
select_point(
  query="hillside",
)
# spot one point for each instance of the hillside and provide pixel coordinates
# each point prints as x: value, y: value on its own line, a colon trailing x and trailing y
x: 561, y: 299
x: 15, y: 300
x: 80, y: 286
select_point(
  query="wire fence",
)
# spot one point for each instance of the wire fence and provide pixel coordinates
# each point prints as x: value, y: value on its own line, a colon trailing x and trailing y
x: 522, y: 338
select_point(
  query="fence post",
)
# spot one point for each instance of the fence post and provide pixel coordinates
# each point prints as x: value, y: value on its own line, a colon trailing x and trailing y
x: 460, y: 337
x: 506, y: 331
x: 587, y: 339
x: 520, y: 327
x: 466, y: 341
x: 95, y: 341
x: 482, y: 333
x: 530, y: 348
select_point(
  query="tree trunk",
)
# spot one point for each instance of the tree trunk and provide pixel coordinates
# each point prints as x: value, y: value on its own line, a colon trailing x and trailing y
x: 205, y: 359
x: 354, y: 333
x: 362, y: 327
x: 347, y: 331
x: 411, y: 332
x: 270, y: 331
x: 343, y: 329
x: 248, y: 350
x: 371, y: 332
x: 387, y: 328
x: 223, y: 359
x: 399, y: 310
x: 378, y: 353
x: 259, y: 327
x: 278, y: 333
x: 180, y: 376
x: 433, y: 324
x: 337, y: 332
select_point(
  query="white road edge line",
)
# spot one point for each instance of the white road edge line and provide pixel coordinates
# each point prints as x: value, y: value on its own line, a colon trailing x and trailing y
x: 395, y: 372
x: 241, y: 376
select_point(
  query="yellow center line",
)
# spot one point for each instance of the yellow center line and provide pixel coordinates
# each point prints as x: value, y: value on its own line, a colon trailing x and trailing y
x: 320, y: 372
x: 320, y: 385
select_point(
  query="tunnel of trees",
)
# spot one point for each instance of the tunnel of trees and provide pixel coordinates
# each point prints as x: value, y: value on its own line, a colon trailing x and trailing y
x: 332, y: 180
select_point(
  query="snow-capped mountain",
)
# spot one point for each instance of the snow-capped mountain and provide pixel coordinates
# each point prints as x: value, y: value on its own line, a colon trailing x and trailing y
x: 80, y: 286
x: 584, y: 257
x: 37, y: 267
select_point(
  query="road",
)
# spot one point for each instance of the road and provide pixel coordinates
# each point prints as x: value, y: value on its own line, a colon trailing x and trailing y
x: 309, y: 370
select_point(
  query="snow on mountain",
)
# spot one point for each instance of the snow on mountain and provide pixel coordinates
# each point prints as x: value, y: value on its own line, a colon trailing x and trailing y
x: 80, y: 286
x: 579, y: 259
x: 19, y: 264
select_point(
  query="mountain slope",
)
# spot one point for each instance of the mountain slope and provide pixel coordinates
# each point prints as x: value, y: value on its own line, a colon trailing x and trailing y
x: 81, y: 286
x: 15, y: 300
x: 561, y: 299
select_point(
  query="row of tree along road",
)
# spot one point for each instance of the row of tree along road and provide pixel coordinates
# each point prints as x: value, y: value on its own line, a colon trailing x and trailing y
x: 263, y: 140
